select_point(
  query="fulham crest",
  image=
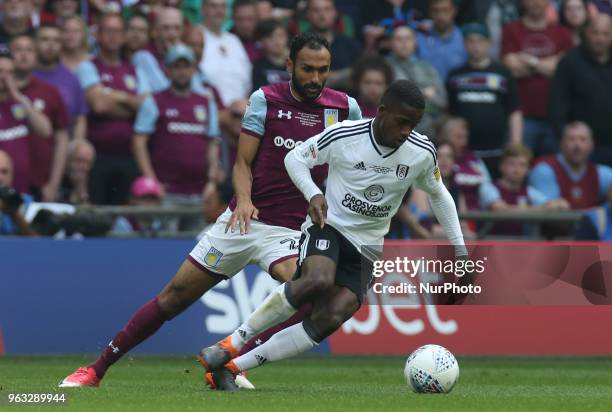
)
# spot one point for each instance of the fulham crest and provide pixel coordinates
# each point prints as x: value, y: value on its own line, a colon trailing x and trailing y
x: 322, y: 244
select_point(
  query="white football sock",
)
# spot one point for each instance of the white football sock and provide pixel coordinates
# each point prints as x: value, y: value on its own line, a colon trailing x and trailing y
x: 285, y: 344
x: 274, y: 309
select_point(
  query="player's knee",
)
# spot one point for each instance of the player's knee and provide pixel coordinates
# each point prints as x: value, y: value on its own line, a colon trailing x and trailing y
x: 320, y: 280
x: 171, y: 301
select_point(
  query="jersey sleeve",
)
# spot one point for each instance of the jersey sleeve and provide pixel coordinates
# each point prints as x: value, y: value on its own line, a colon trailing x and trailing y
x: 488, y: 194
x: 88, y: 75
x: 150, y: 72
x: 542, y: 178
x: 605, y: 179
x: 213, y: 118
x: 313, y: 152
x: 442, y: 204
x: 147, y: 117
x: 354, y: 111
x: 254, y: 120
x: 536, y: 197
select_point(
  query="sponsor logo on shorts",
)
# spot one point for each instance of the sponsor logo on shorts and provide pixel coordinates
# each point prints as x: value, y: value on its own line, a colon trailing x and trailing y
x: 365, y: 208
x: 212, y: 258
x: 374, y: 193
x: 322, y: 244
x: 293, y: 243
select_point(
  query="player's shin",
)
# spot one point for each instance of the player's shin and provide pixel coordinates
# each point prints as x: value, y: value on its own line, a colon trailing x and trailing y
x: 285, y: 344
x: 274, y: 310
x: 145, y: 322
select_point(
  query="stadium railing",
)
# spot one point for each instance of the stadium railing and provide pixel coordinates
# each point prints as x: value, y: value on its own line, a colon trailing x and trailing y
x: 485, y: 219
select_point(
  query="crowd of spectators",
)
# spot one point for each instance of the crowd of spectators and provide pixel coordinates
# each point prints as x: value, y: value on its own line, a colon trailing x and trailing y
x: 115, y: 102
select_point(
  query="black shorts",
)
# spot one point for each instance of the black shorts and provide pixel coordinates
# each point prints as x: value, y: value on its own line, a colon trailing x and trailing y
x: 353, y: 271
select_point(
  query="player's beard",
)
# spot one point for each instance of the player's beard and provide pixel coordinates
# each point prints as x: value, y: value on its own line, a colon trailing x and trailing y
x: 302, y: 91
x: 181, y: 86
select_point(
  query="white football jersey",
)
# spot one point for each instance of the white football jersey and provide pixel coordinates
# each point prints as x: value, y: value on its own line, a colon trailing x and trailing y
x: 367, y: 182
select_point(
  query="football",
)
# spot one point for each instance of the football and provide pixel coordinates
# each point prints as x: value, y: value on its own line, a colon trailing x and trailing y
x: 431, y: 369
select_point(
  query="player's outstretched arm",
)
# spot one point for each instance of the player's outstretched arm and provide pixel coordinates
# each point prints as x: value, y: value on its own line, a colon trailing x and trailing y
x: 444, y: 209
x: 242, y: 180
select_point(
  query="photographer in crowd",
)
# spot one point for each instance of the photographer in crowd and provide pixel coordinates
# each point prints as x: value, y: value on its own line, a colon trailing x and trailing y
x: 11, y: 220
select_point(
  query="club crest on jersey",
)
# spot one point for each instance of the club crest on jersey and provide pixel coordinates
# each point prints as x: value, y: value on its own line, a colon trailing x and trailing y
x: 212, y: 258
x: 322, y: 244
x: 331, y: 117
x: 401, y: 171
x: 374, y: 193
x: 199, y: 112
x: 284, y: 115
x: 18, y: 112
x: 129, y: 81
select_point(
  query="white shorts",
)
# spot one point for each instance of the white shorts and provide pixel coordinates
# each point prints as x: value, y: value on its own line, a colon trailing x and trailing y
x: 226, y: 254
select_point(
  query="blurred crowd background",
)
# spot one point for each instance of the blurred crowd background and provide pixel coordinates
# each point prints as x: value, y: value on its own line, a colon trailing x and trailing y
x: 519, y: 100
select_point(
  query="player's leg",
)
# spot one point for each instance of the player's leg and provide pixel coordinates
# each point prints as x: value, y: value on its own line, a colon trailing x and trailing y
x: 189, y: 283
x: 322, y: 248
x: 197, y: 275
x: 330, y: 311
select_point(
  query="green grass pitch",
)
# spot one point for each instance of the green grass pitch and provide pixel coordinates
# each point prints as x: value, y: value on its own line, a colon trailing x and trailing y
x: 319, y: 383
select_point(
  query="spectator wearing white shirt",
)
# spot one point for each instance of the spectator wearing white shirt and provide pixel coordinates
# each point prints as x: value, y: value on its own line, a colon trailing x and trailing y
x: 225, y: 62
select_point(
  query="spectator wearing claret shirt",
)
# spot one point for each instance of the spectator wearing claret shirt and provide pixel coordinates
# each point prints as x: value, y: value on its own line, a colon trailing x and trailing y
x: 167, y: 31
x: 596, y: 223
x: 582, y: 84
x: 570, y: 175
x: 531, y: 48
x: 18, y: 119
x: 407, y: 66
x: 272, y: 66
x: 225, y: 62
x: 114, y: 90
x: 469, y: 171
x: 244, y: 14
x: 176, y: 138
x: 442, y: 44
x: 511, y: 192
x: 50, y: 69
x: 48, y: 155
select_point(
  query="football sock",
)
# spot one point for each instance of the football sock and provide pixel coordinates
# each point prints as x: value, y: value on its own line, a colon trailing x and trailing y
x: 284, y: 344
x: 299, y: 316
x: 145, y: 322
x: 274, y: 309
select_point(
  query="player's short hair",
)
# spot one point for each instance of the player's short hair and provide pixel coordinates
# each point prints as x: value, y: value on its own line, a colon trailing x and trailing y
x: 266, y: 27
x: 311, y: 40
x: 516, y: 150
x: 366, y: 64
x: 403, y: 92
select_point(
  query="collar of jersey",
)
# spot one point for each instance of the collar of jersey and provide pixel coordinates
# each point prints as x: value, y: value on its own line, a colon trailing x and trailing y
x: 379, y: 149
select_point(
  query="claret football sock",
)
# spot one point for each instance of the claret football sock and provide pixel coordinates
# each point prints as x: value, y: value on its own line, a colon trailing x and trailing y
x: 145, y: 322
